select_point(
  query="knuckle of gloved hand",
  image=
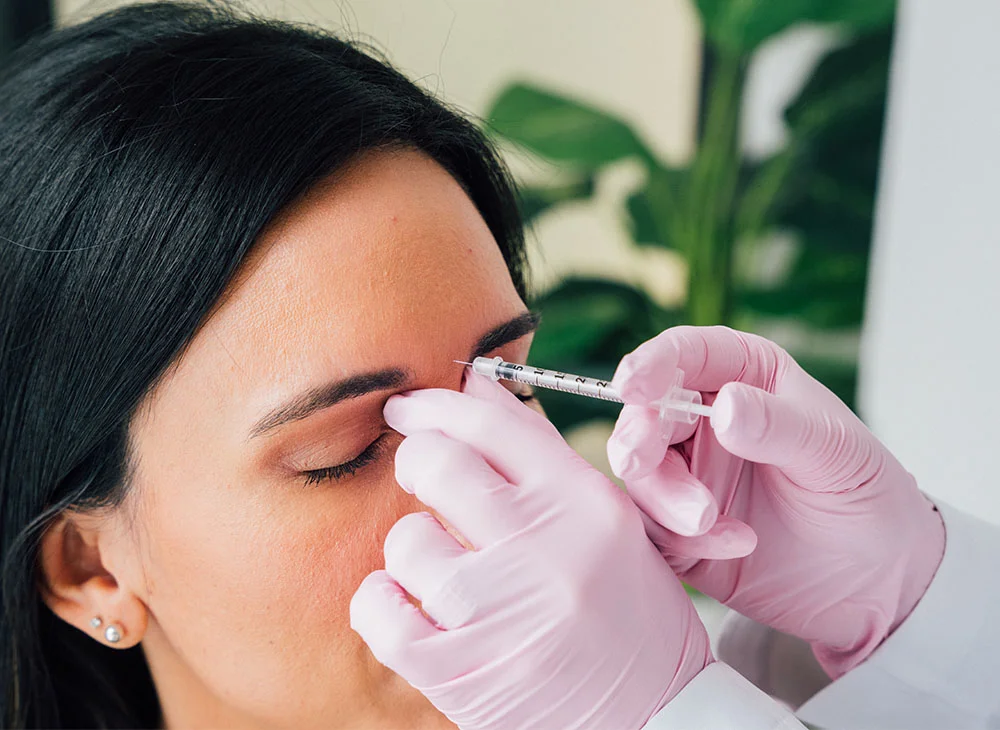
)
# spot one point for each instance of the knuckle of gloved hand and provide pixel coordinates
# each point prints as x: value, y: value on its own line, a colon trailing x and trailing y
x: 411, y: 457
x: 394, y: 647
x: 369, y: 598
x: 442, y: 461
x: 564, y: 593
x: 451, y: 602
x: 487, y: 421
x: 769, y: 360
x: 686, y: 335
x: 541, y: 422
x: 405, y: 538
x: 609, y: 514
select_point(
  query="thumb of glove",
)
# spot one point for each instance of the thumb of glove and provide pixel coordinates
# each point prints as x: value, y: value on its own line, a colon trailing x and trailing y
x: 816, y: 449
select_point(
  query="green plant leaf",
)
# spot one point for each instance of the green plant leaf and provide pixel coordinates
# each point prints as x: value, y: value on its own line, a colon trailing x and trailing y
x: 535, y: 200
x: 853, y: 77
x: 835, y: 125
x: 825, y: 289
x: 859, y: 15
x: 642, y: 220
x: 582, y: 318
x: 562, y: 129
x: 690, y: 590
x: 587, y: 326
x: 650, y: 211
x: 567, y: 411
x: 740, y: 26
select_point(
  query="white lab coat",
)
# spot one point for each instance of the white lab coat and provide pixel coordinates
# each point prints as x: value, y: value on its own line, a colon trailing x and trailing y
x: 940, y: 670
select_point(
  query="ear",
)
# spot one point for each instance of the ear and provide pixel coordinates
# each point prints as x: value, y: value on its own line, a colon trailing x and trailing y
x: 79, y: 587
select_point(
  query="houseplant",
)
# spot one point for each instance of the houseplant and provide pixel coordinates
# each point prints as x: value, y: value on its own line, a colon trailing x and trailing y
x: 820, y: 188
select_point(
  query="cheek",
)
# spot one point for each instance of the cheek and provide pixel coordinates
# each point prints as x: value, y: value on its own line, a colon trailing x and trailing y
x: 254, y: 592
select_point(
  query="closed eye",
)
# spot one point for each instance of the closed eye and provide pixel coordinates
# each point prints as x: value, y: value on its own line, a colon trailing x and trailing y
x: 337, y: 472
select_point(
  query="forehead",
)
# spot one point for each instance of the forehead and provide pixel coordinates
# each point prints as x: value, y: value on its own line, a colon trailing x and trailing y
x: 387, y: 263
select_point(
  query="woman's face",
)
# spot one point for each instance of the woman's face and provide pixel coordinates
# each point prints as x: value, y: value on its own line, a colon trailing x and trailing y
x: 248, y: 538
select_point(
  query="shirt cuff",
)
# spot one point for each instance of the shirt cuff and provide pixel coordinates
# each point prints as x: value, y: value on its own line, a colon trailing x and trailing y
x: 939, y: 668
x: 719, y: 697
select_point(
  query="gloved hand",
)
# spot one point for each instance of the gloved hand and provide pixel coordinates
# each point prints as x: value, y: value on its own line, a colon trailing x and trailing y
x: 847, y: 544
x: 563, y: 615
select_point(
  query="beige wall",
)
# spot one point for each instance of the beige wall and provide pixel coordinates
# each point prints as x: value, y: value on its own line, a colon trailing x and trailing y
x: 641, y: 64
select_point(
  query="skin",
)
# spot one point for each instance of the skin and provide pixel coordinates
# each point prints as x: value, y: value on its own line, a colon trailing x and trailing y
x: 233, y: 574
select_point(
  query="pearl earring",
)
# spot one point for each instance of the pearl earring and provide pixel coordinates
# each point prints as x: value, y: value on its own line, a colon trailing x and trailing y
x: 112, y: 634
x: 96, y: 622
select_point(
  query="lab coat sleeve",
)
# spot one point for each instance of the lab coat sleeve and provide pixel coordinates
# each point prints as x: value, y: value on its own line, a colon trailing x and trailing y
x: 939, y: 669
x: 720, y: 698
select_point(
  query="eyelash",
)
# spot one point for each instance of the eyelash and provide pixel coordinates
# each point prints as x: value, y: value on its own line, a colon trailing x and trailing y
x: 366, y: 457
x: 371, y: 453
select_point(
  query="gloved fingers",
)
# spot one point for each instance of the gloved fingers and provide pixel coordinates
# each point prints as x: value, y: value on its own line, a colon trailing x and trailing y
x: 674, y: 497
x: 709, y: 357
x: 397, y: 633
x: 636, y: 447
x: 681, y: 431
x: 424, y: 560
x: 457, y: 482
x: 647, y: 372
x: 728, y: 539
x: 520, y: 446
x: 480, y: 386
x: 816, y: 448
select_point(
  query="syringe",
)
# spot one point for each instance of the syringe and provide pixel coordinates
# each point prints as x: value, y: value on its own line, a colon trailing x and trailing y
x: 678, y: 404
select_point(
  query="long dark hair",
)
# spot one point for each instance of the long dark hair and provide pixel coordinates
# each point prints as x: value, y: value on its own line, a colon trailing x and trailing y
x: 141, y: 154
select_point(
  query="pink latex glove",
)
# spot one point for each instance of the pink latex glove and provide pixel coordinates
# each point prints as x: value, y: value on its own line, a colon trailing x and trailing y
x: 847, y: 544
x: 563, y: 616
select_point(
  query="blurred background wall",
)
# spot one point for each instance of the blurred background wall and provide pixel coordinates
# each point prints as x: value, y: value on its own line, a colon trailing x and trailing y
x: 932, y: 338
x: 643, y: 64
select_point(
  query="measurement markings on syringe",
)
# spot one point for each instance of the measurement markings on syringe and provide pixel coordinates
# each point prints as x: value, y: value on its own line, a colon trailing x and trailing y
x: 556, y: 380
x: 677, y: 404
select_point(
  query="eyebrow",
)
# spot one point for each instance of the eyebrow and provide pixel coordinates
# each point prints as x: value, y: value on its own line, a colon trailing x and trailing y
x: 307, y: 403
x: 523, y: 324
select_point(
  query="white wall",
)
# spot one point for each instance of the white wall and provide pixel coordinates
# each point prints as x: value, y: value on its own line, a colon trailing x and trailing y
x: 932, y: 342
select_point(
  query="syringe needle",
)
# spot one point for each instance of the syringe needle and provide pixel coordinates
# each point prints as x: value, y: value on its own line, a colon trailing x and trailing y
x: 463, y: 362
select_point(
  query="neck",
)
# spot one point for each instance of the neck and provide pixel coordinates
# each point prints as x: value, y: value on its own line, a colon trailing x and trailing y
x: 185, y: 701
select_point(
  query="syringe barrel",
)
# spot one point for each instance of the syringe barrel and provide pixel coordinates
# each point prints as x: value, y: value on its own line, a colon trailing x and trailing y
x: 496, y: 368
x: 678, y: 404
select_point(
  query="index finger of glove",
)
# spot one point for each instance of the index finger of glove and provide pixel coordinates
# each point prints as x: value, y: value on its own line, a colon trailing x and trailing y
x: 455, y: 480
x: 728, y: 539
x: 710, y: 357
x: 398, y: 634
x: 512, y: 443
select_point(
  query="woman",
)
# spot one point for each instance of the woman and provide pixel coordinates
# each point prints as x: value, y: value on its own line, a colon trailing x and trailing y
x: 226, y: 243
x: 229, y: 247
